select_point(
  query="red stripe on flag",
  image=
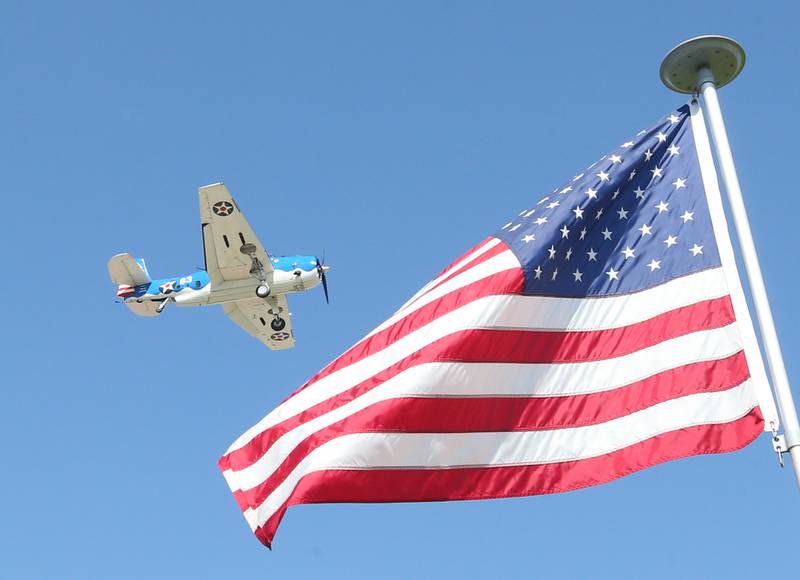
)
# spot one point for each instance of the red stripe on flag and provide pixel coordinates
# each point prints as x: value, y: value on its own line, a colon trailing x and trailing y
x: 501, y: 414
x: 405, y: 485
x: 506, y: 282
x: 534, y: 346
x: 488, y: 254
x: 510, y: 346
x: 463, y: 256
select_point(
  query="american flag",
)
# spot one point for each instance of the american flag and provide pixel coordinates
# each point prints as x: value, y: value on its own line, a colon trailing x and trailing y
x: 600, y: 331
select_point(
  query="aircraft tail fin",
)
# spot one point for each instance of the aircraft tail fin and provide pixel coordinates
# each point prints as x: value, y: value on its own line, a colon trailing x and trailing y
x: 143, y: 266
x: 127, y: 271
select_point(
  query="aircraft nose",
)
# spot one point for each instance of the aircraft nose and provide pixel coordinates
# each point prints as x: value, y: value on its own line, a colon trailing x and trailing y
x: 326, y: 268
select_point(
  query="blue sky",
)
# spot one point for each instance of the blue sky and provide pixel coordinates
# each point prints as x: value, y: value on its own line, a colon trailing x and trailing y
x: 393, y: 136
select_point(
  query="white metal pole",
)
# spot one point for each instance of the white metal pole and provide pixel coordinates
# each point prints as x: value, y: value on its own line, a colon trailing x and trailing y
x: 777, y: 370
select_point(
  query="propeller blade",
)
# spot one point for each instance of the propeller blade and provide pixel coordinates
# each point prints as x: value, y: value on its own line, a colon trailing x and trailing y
x: 321, y: 269
x: 325, y: 287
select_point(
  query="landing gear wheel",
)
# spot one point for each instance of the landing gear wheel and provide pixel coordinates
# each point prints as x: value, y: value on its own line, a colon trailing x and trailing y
x: 262, y: 291
x: 278, y: 323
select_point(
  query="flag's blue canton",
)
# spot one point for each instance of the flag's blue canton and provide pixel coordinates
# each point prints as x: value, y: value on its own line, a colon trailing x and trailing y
x: 633, y: 220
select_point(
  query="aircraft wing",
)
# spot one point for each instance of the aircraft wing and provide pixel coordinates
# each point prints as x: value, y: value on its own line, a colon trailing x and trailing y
x: 225, y: 231
x: 255, y: 316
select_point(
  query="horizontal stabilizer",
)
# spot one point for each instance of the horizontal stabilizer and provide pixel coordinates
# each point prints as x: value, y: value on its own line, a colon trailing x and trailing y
x: 144, y: 308
x: 125, y: 270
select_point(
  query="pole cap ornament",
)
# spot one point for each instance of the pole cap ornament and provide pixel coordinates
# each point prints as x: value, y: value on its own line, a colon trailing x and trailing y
x: 723, y: 56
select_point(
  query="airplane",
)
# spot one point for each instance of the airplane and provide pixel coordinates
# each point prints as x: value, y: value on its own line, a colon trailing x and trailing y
x: 239, y: 274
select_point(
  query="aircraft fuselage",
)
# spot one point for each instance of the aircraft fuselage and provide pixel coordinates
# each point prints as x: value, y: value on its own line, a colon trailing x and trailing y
x: 290, y: 274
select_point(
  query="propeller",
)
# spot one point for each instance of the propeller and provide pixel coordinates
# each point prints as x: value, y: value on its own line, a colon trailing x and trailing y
x: 321, y: 269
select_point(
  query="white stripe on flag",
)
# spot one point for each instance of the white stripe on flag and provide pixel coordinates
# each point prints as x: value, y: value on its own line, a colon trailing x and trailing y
x: 500, y: 263
x: 447, y: 450
x: 491, y: 243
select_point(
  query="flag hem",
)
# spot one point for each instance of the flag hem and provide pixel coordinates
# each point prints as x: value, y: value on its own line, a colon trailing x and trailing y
x: 719, y: 222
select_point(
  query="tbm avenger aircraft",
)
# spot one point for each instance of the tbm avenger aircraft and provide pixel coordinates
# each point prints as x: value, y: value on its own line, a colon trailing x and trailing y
x: 239, y: 274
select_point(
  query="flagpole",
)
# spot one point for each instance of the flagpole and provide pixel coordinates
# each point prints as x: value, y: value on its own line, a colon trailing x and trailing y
x: 701, y: 65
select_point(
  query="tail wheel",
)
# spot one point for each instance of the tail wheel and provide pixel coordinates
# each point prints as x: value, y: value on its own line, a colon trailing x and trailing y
x: 278, y: 323
x: 262, y: 291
